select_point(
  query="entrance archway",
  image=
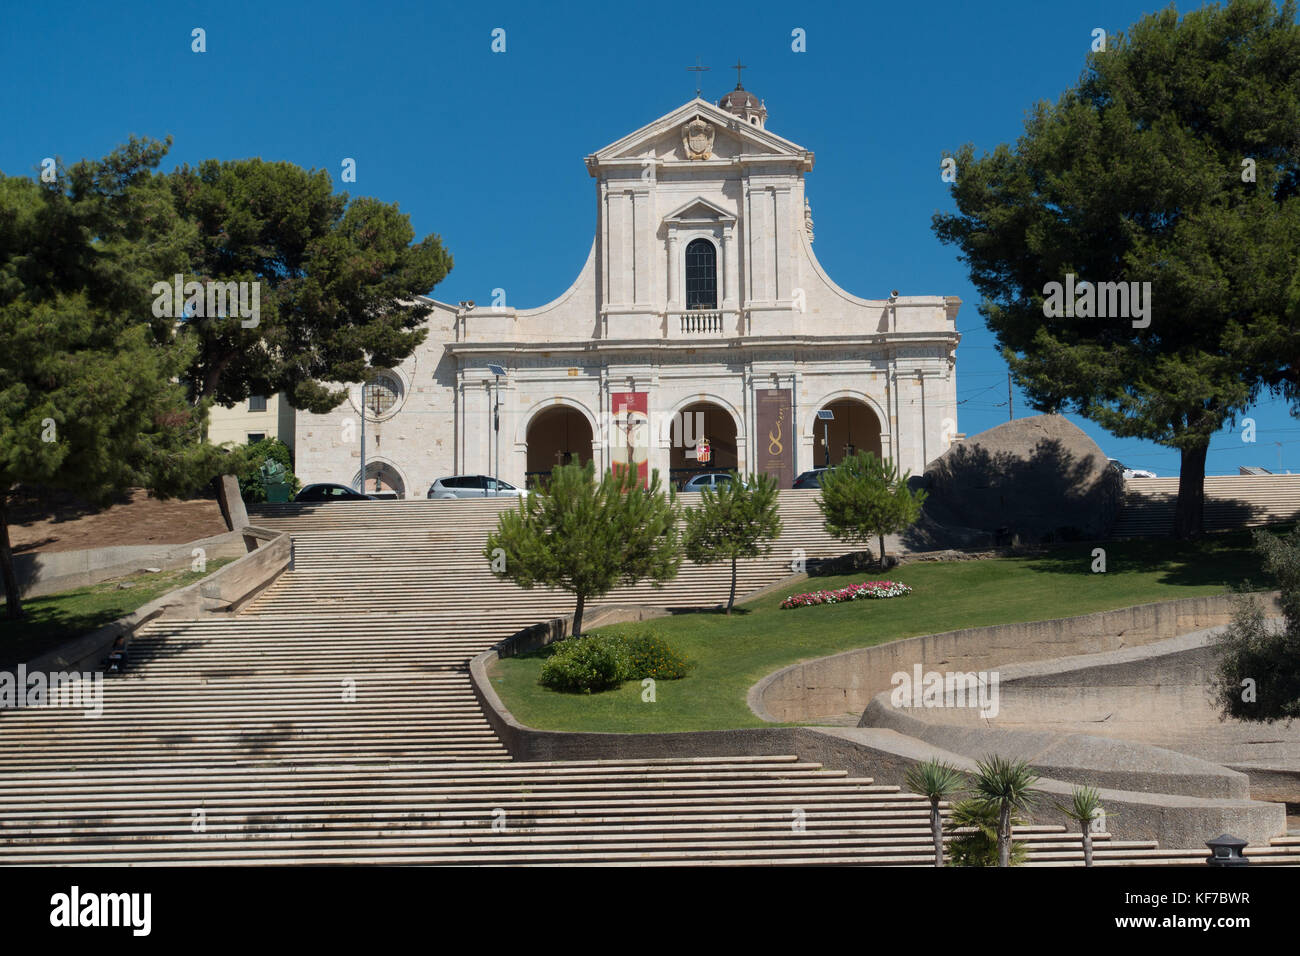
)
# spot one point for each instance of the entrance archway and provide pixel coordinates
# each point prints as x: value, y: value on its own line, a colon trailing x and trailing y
x: 557, y: 436
x: 695, y: 421
x: 382, y: 479
x: 854, y: 428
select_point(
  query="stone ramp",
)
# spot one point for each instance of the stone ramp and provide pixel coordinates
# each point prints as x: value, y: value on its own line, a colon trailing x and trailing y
x: 1230, y: 502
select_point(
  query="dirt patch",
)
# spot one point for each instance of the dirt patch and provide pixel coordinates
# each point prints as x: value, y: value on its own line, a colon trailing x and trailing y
x: 62, y: 523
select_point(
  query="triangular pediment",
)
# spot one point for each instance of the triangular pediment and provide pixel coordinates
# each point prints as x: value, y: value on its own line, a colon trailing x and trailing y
x: 699, y: 211
x: 731, y: 138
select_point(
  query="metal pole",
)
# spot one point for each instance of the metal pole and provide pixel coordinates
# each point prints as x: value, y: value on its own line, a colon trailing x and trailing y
x: 496, y: 431
x: 362, y: 489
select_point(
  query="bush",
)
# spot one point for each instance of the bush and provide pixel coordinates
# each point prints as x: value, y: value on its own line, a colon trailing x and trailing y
x: 252, y: 488
x: 599, y: 662
x: 585, y: 665
x: 649, y: 655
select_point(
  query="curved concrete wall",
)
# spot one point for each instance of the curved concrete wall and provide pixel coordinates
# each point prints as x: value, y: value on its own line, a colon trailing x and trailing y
x: 844, y: 684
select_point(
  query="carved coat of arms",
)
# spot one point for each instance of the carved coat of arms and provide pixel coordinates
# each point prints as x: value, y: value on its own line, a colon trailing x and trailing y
x: 697, y: 137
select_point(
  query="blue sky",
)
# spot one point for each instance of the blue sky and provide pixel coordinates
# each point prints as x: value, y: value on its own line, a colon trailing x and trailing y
x: 485, y: 149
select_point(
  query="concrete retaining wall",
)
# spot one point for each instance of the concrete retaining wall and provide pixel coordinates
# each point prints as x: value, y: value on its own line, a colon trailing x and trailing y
x: 1175, y: 820
x: 50, y: 572
x: 831, y: 687
x: 268, y: 553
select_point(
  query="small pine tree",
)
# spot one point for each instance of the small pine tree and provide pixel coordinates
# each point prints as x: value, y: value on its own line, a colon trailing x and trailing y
x: 587, y: 537
x: 735, y: 520
x: 864, y: 498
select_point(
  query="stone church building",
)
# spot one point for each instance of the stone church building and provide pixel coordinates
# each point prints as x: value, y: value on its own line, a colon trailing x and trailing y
x: 701, y: 320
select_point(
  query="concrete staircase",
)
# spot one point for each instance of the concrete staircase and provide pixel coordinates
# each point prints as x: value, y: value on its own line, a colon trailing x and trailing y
x: 1230, y: 502
x: 334, y: 722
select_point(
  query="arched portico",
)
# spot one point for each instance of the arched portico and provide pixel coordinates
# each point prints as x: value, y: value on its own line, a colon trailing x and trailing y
x: 856, y: 426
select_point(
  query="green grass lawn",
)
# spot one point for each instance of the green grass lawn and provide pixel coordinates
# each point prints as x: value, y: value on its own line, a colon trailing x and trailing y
x: 732, y: 653
x: 55, y: 618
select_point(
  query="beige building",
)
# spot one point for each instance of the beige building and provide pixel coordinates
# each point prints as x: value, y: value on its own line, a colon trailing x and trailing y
x: 701, y: 313
x: 252, y: 420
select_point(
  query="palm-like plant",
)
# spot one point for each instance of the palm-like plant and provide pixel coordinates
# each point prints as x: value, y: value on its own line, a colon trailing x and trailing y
x: 937, y: 781
x: 1008, y: 786
x: 1084, y: 805
x: 974, y: 829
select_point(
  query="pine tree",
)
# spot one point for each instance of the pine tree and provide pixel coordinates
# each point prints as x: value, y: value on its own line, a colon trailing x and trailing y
x: 1175, y: 161
x: 735, y: 520
x: 90, y: 395
x: 588, y: 537
x: 864, y: 497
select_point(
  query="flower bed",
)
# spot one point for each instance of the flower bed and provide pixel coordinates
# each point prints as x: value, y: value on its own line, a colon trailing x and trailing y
x: 854, y: 592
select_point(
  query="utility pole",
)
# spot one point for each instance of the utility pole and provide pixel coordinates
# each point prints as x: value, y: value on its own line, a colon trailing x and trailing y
x: 362, y: 489
x: 1011, y: 402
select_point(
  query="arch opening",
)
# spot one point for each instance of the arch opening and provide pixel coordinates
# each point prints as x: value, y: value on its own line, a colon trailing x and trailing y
x: 695, y: 421
x: 557, y: 436
x: 854, y: 428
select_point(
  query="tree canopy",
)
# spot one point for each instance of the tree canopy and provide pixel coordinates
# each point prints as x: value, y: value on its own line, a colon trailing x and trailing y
x: 1172, y: 167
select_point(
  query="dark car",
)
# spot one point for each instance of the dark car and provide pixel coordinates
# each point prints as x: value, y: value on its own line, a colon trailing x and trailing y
x: 327, y: 491
x: 810, y: 479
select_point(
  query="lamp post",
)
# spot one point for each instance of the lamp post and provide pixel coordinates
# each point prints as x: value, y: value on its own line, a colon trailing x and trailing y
x: 362, y: 489
x: 498, y: 373
x: 827, y: 416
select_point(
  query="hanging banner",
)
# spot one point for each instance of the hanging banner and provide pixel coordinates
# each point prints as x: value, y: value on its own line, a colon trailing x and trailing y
x: 775, y: 452
x: 630, y: 434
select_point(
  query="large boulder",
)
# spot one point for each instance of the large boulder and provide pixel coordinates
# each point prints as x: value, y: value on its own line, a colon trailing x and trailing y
x: 1039, y: 479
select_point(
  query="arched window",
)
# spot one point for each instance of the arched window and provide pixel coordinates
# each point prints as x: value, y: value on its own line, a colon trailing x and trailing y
x: 701, y: 275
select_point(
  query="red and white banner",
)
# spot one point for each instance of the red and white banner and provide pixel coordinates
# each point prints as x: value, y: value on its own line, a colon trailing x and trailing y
x: 630, y: 434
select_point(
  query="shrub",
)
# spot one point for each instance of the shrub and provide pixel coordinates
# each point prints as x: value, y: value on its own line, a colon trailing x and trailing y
x: 601, y: 661
x: 649, y: 655
x: 585, y: 665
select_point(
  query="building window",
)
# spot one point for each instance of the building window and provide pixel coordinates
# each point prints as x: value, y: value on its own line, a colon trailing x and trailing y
x: 701, y: 275
x: 255, y: 437
x: 257, y: 403
x: 382, y: 394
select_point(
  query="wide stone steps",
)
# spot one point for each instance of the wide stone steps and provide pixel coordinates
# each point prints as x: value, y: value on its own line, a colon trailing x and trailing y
x: 1230, y: 502
x: 334, y: 722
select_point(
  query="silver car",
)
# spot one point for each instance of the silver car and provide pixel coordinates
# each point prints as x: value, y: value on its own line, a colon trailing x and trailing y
x: 474, y: 486
x: 711, y: 479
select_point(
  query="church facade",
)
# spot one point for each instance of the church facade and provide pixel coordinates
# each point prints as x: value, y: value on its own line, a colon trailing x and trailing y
x: 701, y: 334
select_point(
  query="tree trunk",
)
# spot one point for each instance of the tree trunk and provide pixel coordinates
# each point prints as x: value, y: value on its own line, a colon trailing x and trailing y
x: 731, y: 598
x: 1087, y: 844
x: 936, y: 831
x: 13, y: 604
x: 1004, y: 835
x: 1190, y: 510
x: 882, y: 552
x: 577, y: 615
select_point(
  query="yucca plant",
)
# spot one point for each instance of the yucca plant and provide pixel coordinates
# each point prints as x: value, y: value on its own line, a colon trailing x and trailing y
x: 938, y: 781
x: 973, y: 827
x: 1084, y: 804
x: 1008, y: 786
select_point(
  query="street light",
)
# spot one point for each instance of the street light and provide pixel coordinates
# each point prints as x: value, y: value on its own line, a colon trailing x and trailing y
x: 827, y: 416
x: 362, y: 489
x: 498, y: 373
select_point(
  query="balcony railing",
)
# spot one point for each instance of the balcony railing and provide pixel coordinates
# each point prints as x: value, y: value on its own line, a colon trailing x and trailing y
x: 699, y: 322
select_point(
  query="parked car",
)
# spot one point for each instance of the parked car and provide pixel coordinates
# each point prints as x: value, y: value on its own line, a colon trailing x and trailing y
x: 329, y: 491
x: 810, y: 479
x: 1128, y: 472
x: 710, y: 479
x: 474, y: 486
